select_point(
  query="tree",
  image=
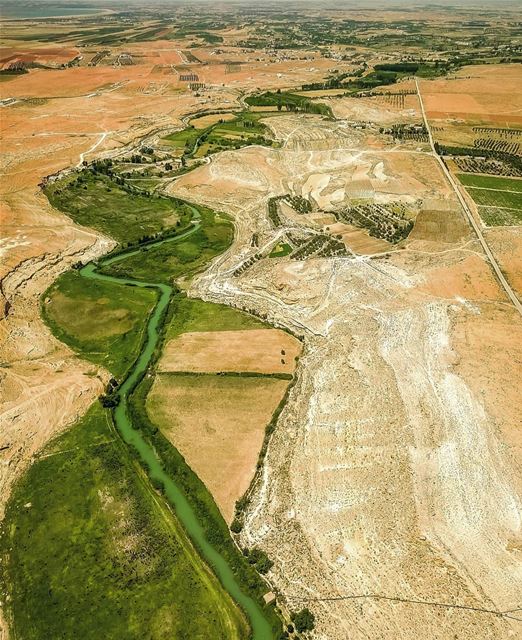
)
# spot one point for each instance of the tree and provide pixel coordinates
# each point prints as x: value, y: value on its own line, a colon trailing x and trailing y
x: 236, y: 526
x: 110, y: 400
x: 303, y: 620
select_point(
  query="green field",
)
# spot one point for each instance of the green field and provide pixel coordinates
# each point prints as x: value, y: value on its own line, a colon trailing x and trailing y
x: 97, y: 201
x: 493, y: 198
x: 496, y: 216
x: 93, y: 552
x: 498, y: 200
x: 490, y: 182
x: 191, y: 314
x: 168, y: 261
x: 281, y: 250
x: 185, y: 137
x: 246, y: 129
x: 112, y: 336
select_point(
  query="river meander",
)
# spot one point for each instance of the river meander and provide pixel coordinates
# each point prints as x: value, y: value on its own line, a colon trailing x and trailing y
x: 261, y: 629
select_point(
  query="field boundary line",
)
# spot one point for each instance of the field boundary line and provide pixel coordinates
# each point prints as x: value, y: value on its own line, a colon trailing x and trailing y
x: 494, y: 264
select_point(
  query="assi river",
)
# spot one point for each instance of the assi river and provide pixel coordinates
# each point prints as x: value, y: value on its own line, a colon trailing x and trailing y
x: 260, y: 626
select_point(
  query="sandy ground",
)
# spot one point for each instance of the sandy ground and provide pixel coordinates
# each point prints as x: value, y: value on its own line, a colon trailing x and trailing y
x: 66, y: 116
x: 218, y: 425
x: 390, y: 501
x: 253, y: 350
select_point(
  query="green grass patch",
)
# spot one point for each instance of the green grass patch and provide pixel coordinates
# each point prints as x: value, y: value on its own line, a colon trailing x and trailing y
x: 185, y: 137
x: 491, y: 198
x: 490, y: 182
x: 289, y: 102
x: 497, y: 216
x: 281, y: 250
x: 191, y: 314
x: 97, y: 201
x: 102, y: 321
x: 168, y: 261
x: 91, y: 551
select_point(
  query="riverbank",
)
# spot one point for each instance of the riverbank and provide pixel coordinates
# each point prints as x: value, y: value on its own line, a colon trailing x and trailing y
x: 233, y: 571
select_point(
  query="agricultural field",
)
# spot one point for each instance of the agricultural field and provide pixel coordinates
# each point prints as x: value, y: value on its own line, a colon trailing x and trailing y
x: 221, y: 440
x: 490, y: 166
x: 260, y: 363
x: 114, y: 558
x: 202, y: 122
x: 236, y: 363
x: 498, y: 200
x: 253, y: 351
x: 196, y: 315
x: 490, y: 182
x: 113, y: 336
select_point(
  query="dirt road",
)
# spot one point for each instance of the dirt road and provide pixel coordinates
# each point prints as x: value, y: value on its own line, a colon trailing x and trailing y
x: 476, y: 228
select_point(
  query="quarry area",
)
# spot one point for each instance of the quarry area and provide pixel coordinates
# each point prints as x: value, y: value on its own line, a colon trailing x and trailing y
x: 389, y: 493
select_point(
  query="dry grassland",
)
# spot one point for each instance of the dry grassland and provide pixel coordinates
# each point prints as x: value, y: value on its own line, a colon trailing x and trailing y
x: 218, y: 424
x: 205, y: 121
x: 252, y: 350
x: 480, y: 94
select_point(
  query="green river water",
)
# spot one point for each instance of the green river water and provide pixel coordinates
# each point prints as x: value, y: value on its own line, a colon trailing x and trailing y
x: 261, y: 629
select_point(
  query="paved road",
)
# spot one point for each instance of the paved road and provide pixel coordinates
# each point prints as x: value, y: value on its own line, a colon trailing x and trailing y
x: 494, y: 264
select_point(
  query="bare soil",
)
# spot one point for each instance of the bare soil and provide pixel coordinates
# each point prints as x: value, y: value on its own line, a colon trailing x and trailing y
x: 390, y: 492
x: 253, y: 350
x: 218, y: 425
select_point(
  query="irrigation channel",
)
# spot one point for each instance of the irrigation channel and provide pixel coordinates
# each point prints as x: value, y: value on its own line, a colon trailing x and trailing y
x: 260, y: 627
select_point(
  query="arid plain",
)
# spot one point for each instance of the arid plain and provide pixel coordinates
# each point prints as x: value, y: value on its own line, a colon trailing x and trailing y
x: 390, y: 496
